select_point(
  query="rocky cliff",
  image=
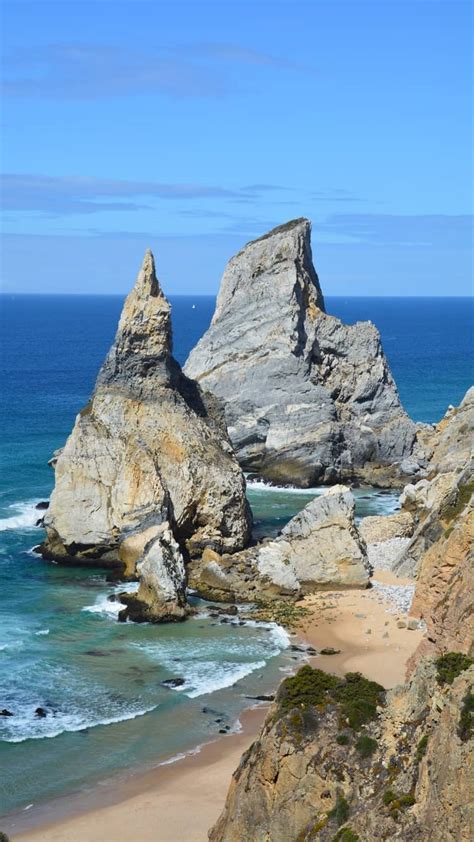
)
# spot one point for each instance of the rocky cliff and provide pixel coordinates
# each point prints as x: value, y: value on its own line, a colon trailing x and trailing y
x: 340, y: 761
x: 150, y: 448
x: 307, y: 399
x: 436, y: 500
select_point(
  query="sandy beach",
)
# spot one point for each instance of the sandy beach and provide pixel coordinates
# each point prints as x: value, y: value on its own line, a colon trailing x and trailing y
x: 182, y: 800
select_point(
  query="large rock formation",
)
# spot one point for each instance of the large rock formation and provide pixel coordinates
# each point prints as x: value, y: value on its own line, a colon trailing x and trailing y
x: 150, y: 447
x: 307, y: 399
x: 320, y: 548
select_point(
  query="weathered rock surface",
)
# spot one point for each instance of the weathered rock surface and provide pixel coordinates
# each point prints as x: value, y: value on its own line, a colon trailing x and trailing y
x: 377, y: 528
x: 436, y: 501
x: 297, y: 783
x: 320, y: 548
x: 150, y: 447
x: 445, y: 586
x: 161, y: 596
x: 307, y: 399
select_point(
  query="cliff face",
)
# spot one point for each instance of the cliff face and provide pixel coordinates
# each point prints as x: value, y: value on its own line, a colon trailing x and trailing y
x: 307, y: 399
x: 405, y: 774
x: 150, y: 447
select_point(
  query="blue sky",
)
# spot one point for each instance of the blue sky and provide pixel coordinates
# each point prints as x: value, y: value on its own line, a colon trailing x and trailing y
x: 193, y: 127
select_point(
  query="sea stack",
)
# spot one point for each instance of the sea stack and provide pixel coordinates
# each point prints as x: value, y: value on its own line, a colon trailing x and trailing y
x: 307, y: 399
x: 149, y: 449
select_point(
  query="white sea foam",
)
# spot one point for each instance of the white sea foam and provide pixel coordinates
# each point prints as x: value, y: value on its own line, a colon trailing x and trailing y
x: 208, y: 676
x: 42, y: 632
x: 279, y: 635
x: 181, y: 756
x: 25, y: 726
x: 111, y: 608
x: 24, y: 516
x: 261, y: 485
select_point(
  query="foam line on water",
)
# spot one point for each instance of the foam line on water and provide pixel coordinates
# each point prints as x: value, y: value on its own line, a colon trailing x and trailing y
x: 24, y: 516
x: 107, y: 607
x: 261, y: 485
x: 208, y: 677
x: 53, y: 725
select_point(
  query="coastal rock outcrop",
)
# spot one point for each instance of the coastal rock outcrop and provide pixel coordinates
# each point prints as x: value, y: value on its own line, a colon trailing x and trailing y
x: 149, y: 448
x: 435, y: 501
x: 161, y: 596
x: 327, y: 770
x: 307, y: 399
x: 320, y: 548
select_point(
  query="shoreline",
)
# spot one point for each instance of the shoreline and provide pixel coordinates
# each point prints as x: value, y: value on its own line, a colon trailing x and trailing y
x: 186, y: 795
x: 53, y: 819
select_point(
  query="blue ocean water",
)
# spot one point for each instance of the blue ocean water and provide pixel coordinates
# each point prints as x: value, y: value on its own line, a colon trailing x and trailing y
x: 60, y: 646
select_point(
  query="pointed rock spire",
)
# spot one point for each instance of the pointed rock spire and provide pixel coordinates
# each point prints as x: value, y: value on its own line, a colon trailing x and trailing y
x: 143, y: 342
x: 147, y: 282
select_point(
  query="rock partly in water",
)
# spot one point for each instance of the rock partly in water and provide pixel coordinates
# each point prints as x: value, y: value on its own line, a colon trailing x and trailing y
x: 307, y: 399
x: 320, y: 548
x: 161, y: 596
x: 149, y: 447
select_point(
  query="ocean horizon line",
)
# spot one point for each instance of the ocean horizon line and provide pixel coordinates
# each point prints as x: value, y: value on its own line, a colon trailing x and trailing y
x: 214, y: 295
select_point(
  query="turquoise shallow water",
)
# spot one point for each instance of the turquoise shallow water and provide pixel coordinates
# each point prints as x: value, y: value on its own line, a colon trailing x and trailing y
x: 60, y: 645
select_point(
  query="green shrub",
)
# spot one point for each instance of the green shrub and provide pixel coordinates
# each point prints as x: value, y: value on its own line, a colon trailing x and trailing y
x: 421, y: 748
x: 359, y: 698
x: 397, y: 801
x: 340, y: 812
x: 3, y: 837
x: 406, y: 800
x: 366, y: 745
x: 308, y: 687
x: 342, y: 739
x: 310, y: 832
x: 356, y: 696
x: 466, y: 720
x: 345, y: 834
x: 451, y: 665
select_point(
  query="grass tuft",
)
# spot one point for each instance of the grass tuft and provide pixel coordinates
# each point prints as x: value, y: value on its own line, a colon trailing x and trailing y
x: 340, y: 812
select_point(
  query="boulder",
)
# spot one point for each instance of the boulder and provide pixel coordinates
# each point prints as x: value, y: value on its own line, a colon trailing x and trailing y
x: 320, y: 548
x: 307, y: 399
x: 320, y: 545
